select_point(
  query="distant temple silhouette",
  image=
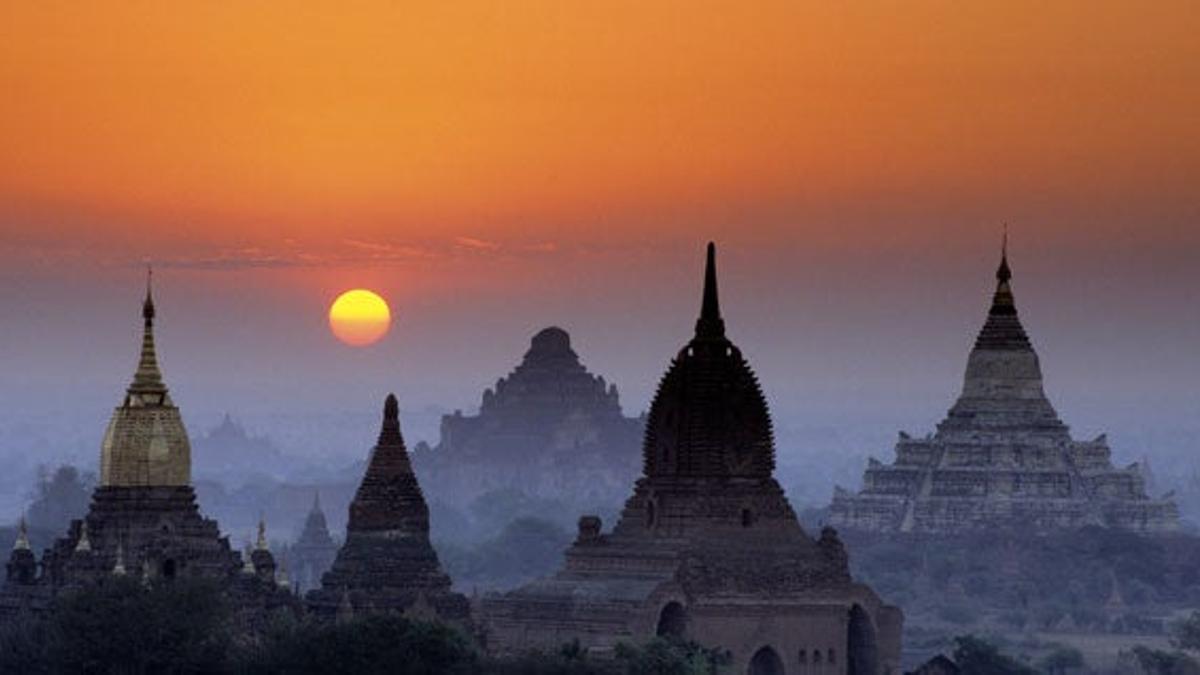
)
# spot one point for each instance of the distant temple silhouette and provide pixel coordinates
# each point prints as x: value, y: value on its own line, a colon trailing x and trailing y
x: 143, y: 518
x: 314, y: 552
x: 549, y: 417
x: 1001, y: 457
x: 707, y: 547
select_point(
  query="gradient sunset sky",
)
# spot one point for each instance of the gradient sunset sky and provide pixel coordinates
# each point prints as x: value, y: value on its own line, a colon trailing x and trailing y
x: 493, y: 168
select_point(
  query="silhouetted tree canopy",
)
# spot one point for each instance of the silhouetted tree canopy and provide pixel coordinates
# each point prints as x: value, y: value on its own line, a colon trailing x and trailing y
x: 1158, y: 662
x: 980, y: 657
x: 123, y: 627
x: 1185, y: 634
x: 372, y: 644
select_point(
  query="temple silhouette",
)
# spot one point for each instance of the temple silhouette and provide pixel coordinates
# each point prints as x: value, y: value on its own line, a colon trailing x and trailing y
x: 549, y: 417
x: 707, y: 547
x: 387, y: 563
x: 1001, y: 457
x: 143, y: 519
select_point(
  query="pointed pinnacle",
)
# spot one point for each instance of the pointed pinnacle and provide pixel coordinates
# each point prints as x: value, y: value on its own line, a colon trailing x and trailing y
x: 710, y: 324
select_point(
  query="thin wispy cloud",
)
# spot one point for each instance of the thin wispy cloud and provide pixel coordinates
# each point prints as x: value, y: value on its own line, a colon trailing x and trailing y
x: 347, y: 252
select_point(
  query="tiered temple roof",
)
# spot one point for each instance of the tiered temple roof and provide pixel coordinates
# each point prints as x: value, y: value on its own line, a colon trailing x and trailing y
x: 707, y: 547
x: 549, y: 416
x: 314, y: 551
x: 143, y: 516
x: 1001, y: 457
x: 387, y: 563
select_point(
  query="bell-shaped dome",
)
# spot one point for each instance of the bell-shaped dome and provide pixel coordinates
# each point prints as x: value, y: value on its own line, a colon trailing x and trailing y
x: 709, y: 417
x: 146, y: 443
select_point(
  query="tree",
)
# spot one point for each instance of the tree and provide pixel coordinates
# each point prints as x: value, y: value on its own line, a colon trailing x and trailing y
x: 1061, y: 660
x: 367, y: 645
x: 123, y: 627
x: 1185, y: 634
x: 570, y: 659
x: 670, y: 656
x: 979, y: 657
x: 1158, y: 662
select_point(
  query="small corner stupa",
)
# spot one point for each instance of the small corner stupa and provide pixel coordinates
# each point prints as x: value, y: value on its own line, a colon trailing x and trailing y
x: 1001, y: 457
x: 387, y: 563
x: 707, y: 547
x: 143, y: 514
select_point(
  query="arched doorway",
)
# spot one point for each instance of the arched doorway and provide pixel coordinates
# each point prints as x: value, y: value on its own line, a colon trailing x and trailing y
x: 765, y: 662
x: 168, y: 568
x: 862, y: 654
x: 672, y: 621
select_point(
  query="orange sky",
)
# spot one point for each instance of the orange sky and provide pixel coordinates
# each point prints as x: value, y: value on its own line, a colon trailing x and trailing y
x: 494, y: 168
x: 241, y: 124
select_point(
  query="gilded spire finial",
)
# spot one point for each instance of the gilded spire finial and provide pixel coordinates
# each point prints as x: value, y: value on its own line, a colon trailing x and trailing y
x: 148, y: 378
x: 710, y: 324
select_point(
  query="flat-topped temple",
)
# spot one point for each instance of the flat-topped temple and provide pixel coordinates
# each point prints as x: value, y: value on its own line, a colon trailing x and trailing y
x: 1001, y: 457
x: 707, y: 548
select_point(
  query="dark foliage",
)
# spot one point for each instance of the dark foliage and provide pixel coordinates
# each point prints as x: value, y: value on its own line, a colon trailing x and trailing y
x: 1185, y: 634
x: 525, y: 549
x: 980, y: 657
x: 665, y: 656
x: 1033, y: 582
x: 1158, y: 662
x: 122, y: 627
x: 1061, y: 660
x: 374, y: 644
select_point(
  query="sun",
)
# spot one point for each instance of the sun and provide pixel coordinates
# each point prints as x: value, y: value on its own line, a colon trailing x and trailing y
x: 359, y: 317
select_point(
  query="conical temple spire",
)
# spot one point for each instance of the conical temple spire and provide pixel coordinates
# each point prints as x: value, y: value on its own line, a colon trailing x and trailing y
x: 389, y: 433
x: 148, y: 378
x: 316, y: 505
x: 83, y: 545
x: 261, y: 543
x: 248, y: 559
x: 1003, y: 274
x: 710, y: 324
x: 22, y: 542
x: 119, y: 566
x: 1003, y: 329
x: 388, y: 498
x: 1002, y: 301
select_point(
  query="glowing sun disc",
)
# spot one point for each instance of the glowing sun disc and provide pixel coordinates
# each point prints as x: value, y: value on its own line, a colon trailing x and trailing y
x: 359, y: 317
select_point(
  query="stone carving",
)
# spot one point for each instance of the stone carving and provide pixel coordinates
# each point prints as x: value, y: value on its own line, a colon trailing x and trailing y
x: 1001, y: 457
x: 707, y: 547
